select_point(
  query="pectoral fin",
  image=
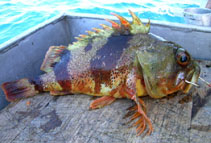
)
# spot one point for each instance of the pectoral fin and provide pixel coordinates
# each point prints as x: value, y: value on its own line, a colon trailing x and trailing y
x: 52, y: 57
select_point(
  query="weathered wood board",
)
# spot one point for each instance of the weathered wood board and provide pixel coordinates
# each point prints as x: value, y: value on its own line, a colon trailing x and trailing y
x: 67, y: 119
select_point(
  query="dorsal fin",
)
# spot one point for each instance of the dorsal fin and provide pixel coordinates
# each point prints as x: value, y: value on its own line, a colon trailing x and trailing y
x: 106, y: 27
x: 134, y: 28
x: 52, y: 57
x: 124, y: 28
x: 137, y: 26
x: 114, y: 24
x: 125, y: 24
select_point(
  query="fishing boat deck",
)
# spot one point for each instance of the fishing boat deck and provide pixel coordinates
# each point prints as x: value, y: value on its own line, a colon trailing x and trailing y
x: 44, y: 118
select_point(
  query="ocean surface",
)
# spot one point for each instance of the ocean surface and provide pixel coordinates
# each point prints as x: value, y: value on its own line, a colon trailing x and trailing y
x: 17, y: 16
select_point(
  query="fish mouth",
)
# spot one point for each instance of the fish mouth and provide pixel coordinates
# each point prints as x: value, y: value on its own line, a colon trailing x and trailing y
x: 192, y: 77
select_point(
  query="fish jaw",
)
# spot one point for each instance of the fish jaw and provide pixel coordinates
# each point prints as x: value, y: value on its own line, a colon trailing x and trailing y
x: 192, y: 78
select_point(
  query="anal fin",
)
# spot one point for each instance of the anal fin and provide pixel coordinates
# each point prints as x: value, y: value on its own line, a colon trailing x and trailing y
x: 102, y: 101
x: 52, y: 57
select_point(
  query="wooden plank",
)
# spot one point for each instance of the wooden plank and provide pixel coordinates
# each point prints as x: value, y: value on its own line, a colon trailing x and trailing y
x: 201, y: 112
x: 68, y: 119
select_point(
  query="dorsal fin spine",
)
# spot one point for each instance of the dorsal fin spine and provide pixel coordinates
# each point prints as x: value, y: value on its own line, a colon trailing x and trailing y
x: 97, y: 30
x: 106, y: 27
x: 122, y: 20
x: 114, y: 24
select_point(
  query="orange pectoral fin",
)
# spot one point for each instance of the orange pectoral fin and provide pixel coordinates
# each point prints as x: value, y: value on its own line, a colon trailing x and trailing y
x: 101, y: 102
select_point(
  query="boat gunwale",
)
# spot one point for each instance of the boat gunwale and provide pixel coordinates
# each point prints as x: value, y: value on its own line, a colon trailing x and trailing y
x: 4, y: 47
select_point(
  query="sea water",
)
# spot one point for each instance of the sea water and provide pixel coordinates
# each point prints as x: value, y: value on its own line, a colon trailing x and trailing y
x: 17, y: 16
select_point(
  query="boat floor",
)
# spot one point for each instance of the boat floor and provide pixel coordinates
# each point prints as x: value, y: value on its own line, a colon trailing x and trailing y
x: 44, y: 118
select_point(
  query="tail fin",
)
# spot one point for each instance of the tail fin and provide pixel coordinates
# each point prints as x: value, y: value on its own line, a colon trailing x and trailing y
x: 19, y: 89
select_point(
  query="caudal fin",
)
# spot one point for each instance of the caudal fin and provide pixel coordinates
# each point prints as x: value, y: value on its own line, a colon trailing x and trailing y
x: 19, y: 89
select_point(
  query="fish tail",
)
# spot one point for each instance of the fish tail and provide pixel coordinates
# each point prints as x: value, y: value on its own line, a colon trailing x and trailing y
x: 22, y: 88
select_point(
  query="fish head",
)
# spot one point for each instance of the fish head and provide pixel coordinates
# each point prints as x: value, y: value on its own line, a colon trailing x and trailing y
x: 166, y: 67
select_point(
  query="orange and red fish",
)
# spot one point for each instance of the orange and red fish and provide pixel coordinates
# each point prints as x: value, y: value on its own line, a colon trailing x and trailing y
x: 122, y: 61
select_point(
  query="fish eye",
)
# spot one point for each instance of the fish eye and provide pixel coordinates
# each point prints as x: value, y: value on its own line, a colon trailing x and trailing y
x: 183, y: 58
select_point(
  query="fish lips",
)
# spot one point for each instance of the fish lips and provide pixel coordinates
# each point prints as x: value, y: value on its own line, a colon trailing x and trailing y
x: 193, y: 77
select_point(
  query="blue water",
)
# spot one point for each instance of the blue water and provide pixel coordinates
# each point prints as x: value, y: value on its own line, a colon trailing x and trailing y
x: 17, y: 16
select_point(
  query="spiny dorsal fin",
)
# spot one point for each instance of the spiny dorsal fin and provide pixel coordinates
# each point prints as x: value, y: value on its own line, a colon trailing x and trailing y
x: 52, y: 57
x: 123, y: 21
x: 136, y: 20
x: 97, y: 30
x: 122, y: 28
x: 125, y: 27
x: 137, y: 26
x: 134, y: 28
x: 114, y: 24
x: 82, y: 40
x: 106, y: 27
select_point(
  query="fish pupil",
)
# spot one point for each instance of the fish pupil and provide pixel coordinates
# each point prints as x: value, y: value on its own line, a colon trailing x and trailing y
x: 183, y: 58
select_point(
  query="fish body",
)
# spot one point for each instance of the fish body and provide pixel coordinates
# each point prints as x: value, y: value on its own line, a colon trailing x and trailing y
x: 122, y: 61
x: 100, y: 69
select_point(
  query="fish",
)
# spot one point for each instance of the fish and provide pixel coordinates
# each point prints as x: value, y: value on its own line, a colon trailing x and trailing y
x: 123, y: 60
